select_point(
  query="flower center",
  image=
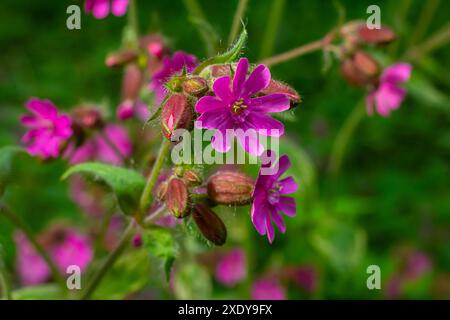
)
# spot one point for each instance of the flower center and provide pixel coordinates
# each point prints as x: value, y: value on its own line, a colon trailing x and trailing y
x: 238, y: 107
x: 274, y: 194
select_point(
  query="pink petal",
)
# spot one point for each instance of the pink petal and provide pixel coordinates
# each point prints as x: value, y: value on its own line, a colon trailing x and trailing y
x: 276, y: 102
x: 221, y: 88
x: 221, y: 140
x: 396, y: 73
x: 29, y: 121
x: 288, y: 185
x: 214, y: 119
x: 119, y: 7
x: 388, y: 97
x: 270, y: 229
x: 278, y: 219
x: 100, y: 9
x: 43, y: 108
x: 258, y: 80
x: 239, y: 77
x: 208, y: 103
x: 265, y: 125
x: 287, y: 206
x: 283, y: 165
x: 259, y: 213
x: 249, y: 140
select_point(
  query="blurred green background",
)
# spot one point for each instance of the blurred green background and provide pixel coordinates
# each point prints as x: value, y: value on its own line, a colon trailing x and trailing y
x: 393, y: 188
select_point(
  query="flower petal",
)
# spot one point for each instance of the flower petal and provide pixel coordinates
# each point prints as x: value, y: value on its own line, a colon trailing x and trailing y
x: 270, y: 229
x: 221, y: 88
x: 388, y: 97
x: 208, y: 103
x: 239, y: 77
x: 288, y: 185
x: 276, y: 102
x: 287, y: 206
x: 258, y: 80
x: 100, y: 9
x: 278, y: 219
x: 43, y: 108
x: 214, y: 119
x: 283, y: 165
x: 259, y: 213
x: 396, y: 73
x: 221, y: 140
x: 119, y: 7
x: 250, y: 142
x: 265, y: 125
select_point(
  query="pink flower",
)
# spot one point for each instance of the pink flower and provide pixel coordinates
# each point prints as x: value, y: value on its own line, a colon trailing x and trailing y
x: 65, y: 246
x: 129, y: 108
x: 235, y: 107
x: 48, y: 129
x: 232, y: 268
x: 101, y: 8
x: 389, y: 95
x: 304, y: 277
x: 268, y: 289
x: 171, y: 66
x: 270, y: 200
x: 111, y: 145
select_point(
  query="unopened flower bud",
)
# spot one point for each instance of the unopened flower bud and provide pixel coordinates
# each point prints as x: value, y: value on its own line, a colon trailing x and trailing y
x: 360, y: 69
x: 137, y: 241
x: 280, y: 87
x: 87, y: 117
x: 132, y: 81
x: 220, y: 70
x: 177, y: 198
x: 176, y: 114
x: 195, y: 86
x: 209, y: 224
x: 192, y: 177
x: 121, y: 58
x: 381, y: 36
x: 230, y: 188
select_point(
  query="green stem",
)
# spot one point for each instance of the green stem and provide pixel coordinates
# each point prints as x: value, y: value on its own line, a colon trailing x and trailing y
x: 4, y: 284
x: 242, y: 5
x: 146, y: 197
x: 294, y: 53
x: 343, y: 138
x: 272, y: 25
x: 109, y: 262
x: 37, y: 246
x: 133, y: 20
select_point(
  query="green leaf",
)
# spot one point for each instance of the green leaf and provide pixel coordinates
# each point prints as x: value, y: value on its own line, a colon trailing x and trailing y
x: 6, y: 156
x: 41, y: 292
x: 126, y: 184
x: 343, y: 246
x: 228, y: 56
x: 129, y: 274
x: 160, y: 243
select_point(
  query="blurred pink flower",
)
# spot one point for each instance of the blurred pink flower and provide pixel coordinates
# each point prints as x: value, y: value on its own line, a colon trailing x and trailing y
x: 111, y: 145
x: 101, y: 8
x: 305, y: 277
x: 48, y: 130
x: 30, y: 267
x: 270, y: 200
x: 65, y: 246
x: 232, y: 268
x: 89, y: 197
x: 389, y: 95
x: 418, y: 263
x: 129, y: 108
x: 171, y: 66
x: 268, y: 289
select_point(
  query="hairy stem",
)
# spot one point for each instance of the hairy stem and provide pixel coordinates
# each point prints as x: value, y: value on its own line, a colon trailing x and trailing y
x: 109, y: 262
x: 242, y: 5
x: 146, y: 197
x: 294, y: 53
x: 37, y: 246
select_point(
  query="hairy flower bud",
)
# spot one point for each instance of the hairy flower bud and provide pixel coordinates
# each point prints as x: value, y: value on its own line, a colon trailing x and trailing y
x: 195, y: 86
x: 132, y: 81
x: 210, y: 225
x: 121, y: 58
x: 230, y: 188
x: 280, y: 87
x: 381, y: 36
x: 177, y: 198
x: 192, y: 177
x: 176, y: 113
x: 360, y: 69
